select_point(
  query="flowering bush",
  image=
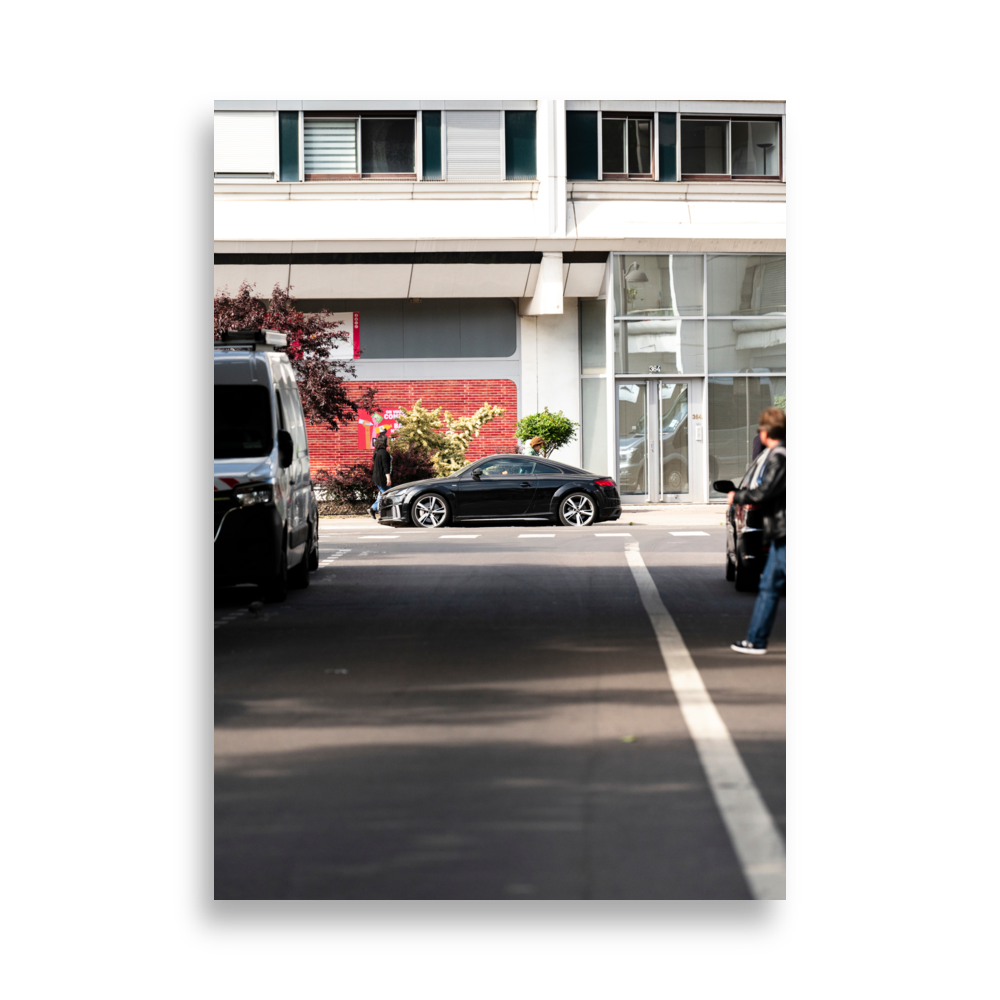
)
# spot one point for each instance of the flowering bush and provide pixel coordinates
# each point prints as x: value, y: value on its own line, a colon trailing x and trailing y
x: 446, y: 439
x: 353, y: 485
x: 321, y: 379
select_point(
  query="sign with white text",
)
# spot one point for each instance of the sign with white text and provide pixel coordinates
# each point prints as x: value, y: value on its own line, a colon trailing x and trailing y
x: 349, y: 349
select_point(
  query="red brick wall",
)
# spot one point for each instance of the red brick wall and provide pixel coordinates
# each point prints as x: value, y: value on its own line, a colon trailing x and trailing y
x: 461, y: 398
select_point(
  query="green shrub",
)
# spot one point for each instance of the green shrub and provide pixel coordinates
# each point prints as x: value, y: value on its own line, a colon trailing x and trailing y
x: 556, y: 429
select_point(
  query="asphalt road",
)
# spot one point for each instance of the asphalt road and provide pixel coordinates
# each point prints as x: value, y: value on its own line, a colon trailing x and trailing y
x: 473, y: 714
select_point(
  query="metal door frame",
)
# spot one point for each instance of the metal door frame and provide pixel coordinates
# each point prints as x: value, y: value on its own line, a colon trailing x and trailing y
x: 695, y: 446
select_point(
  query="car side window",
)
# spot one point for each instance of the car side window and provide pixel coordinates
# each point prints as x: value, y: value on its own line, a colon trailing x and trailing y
x: 507, y: 467
x: 546, y: 470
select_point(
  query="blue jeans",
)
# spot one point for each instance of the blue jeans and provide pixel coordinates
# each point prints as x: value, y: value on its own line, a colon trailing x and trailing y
x: 766, y: 607
x: 379, y: 497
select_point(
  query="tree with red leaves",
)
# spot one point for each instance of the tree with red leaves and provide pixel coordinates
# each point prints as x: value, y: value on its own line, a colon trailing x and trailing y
x: 321, y: 379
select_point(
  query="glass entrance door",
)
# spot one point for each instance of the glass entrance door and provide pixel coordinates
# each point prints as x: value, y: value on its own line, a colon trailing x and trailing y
x: 673, y: 423
x: 653, y: 440
x: 632, y: 439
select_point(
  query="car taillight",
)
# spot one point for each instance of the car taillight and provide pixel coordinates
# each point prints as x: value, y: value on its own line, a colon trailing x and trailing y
x: 604, y: 482
x: 748, y: 506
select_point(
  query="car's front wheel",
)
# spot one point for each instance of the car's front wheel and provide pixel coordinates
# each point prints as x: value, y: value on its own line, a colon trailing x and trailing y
x: 429, y: 511
x: 314, y: 552
x: 276, y: 589
x: 577, y: 510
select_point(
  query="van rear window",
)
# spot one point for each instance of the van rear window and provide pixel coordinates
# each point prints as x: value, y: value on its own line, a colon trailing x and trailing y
x: 242, y: 421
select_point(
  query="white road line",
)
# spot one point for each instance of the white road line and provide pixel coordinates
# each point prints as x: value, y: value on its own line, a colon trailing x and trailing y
x: 231, y: 617
x: 536, y: 536
x: 685, y: 533
x: 612, y: 534
x: 458, y: 536
x: 369, y: 537
x: 751, y: 828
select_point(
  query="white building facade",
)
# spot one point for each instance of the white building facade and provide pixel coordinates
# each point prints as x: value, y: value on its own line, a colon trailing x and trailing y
x: 621, y: 261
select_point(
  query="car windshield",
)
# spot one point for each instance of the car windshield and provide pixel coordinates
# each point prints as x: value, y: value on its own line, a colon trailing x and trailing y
x: 242, y: 421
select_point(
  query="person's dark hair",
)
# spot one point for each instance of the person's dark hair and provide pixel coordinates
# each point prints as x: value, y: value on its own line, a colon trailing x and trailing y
x: 772, y: 423
x: 382, y: 441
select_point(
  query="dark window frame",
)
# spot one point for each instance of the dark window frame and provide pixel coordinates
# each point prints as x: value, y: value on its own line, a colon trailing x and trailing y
x: 629, y: 116
x: 683, y: 175
x: 360, y: 116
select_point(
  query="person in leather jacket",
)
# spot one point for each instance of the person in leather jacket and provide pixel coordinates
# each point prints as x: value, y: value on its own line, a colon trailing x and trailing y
x: 769, y: 496
x: 381, y: 470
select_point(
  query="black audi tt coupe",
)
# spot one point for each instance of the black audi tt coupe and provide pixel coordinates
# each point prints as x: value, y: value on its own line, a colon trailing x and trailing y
x: 504, y: 488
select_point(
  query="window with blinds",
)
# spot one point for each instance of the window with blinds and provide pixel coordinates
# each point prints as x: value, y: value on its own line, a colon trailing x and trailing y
x: 474, y: 143
x: 331, y: 148
x: 246, y: 144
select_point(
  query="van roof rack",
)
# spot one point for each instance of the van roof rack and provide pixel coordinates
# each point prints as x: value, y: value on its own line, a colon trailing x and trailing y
x: 254, y: 338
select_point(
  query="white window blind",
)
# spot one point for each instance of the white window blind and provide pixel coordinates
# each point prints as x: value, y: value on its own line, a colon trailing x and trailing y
x: 331, y: 146
x: 246, y: 142
x: 475, y: 145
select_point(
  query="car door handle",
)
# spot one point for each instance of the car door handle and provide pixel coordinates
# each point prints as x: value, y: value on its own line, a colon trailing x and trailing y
x: 528, y: 485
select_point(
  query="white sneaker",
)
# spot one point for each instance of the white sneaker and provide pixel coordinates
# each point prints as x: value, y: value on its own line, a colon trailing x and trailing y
x: 745, y: 646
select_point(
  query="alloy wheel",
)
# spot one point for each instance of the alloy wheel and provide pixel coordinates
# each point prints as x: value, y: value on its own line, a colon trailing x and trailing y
x: 430, y: 512
x: 578, y: 510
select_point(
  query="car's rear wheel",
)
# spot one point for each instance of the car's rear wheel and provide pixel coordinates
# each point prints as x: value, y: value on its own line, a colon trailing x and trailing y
x: 577, y: 511
x: 429, y: 511
x: 673, y: 479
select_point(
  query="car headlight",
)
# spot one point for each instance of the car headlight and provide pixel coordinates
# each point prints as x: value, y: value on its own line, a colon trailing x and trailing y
x: 257, y: 495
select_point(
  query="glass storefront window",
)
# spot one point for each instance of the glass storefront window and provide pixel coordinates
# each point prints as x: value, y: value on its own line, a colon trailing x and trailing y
x: 746, y: 285
x: 594, y: 426
x: 734, y: 407
x: 659, y: 285
x: 593, y: 336
x: 660, y: 346
x: 756, y: 343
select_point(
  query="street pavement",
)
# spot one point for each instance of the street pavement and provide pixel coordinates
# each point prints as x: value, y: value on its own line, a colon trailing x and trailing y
x: 485, y: 713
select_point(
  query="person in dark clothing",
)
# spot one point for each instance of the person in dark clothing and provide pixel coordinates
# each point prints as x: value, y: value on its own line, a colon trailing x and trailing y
x: 758, y: 447
x: 381, y: 470
x: 769, y: 495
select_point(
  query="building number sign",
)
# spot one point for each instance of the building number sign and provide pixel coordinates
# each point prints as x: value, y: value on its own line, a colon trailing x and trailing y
x: 654, y: 369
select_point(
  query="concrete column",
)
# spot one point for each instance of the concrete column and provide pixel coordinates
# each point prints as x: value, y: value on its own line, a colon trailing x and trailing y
x: 551, y: 122
x: 548, y: 296
x: 558, y: 371
x: 527, y: 401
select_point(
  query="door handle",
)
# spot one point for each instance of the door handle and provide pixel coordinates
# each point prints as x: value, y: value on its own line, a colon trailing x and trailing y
x: 528, y: 485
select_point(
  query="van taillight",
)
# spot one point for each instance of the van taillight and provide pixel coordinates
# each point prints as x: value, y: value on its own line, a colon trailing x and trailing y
x: 604, y: 482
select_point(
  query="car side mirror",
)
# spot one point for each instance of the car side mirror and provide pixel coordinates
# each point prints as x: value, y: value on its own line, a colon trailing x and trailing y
x: 286, y: 450
x: 723, y: 486
x: 476, y: 474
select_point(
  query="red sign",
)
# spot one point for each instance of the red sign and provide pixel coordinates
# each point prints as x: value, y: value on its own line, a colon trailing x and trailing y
x: 371, y: 424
